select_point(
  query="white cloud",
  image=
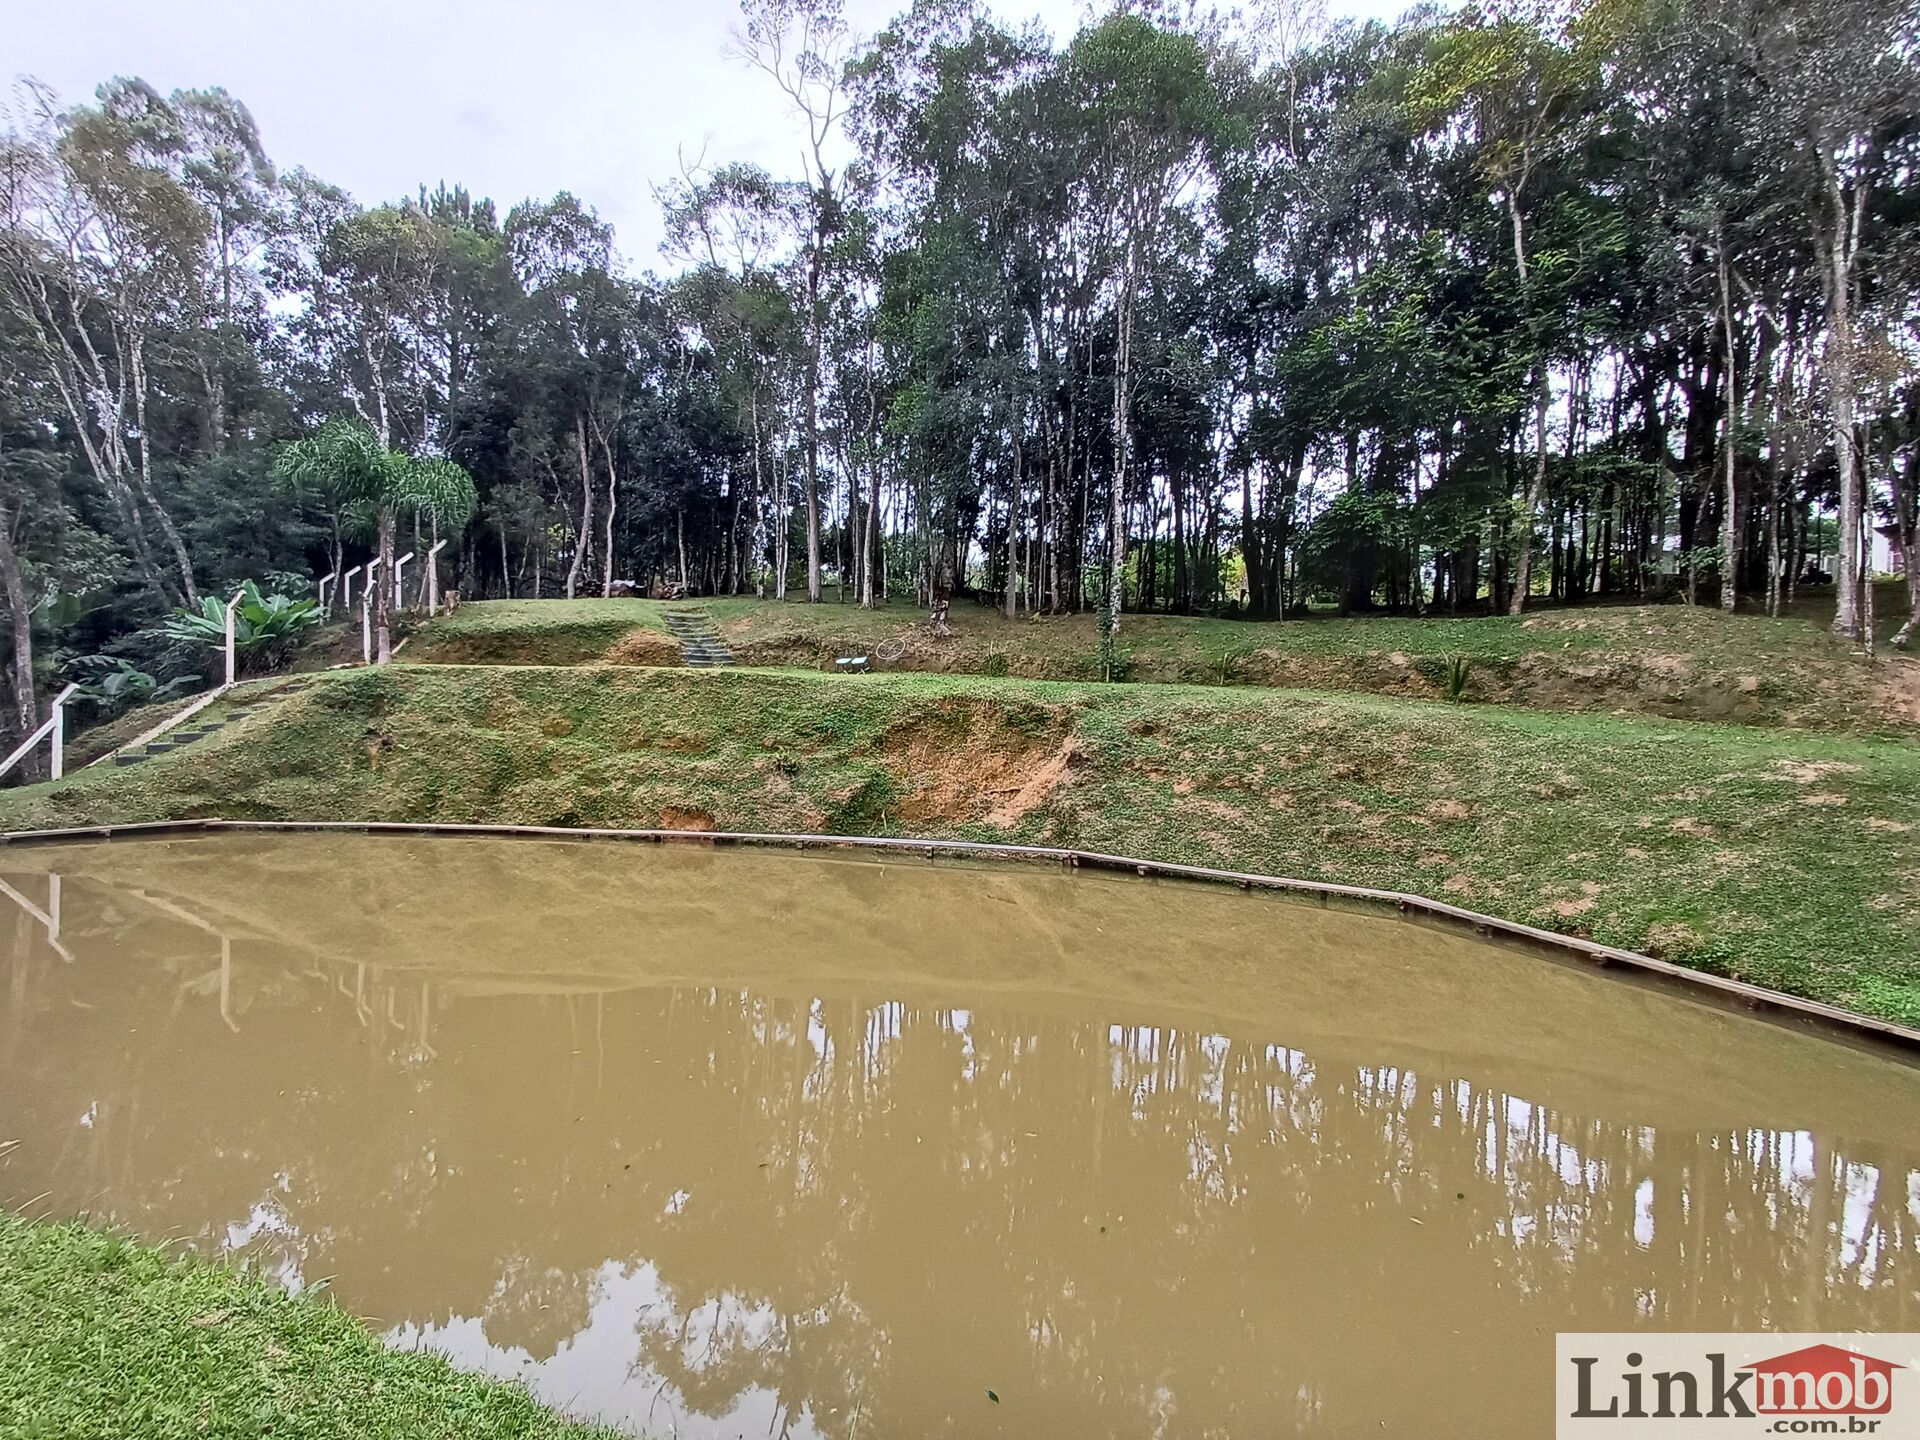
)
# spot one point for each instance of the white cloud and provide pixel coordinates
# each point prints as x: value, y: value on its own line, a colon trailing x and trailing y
x: 511, y: 98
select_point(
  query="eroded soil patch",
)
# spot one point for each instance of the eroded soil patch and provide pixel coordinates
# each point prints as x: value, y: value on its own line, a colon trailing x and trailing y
x: 968, y: 760
x: 645, y: 647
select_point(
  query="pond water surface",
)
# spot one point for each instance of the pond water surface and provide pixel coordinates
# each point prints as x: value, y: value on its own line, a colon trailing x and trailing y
x: 722, y: 1142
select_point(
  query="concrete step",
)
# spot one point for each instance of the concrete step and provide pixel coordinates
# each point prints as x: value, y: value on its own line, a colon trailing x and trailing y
x: 199, y: 729
x: 700, y: 645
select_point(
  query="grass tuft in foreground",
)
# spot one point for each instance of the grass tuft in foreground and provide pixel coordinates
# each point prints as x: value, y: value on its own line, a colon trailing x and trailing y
x: 104, y: 1338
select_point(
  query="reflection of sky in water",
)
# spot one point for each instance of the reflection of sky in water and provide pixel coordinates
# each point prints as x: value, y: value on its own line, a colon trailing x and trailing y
x: 270, y: 1240
x: 597, y: 1372
x: 592, y: 1374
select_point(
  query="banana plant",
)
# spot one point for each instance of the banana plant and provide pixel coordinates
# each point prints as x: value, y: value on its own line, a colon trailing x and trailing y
x: 111, y: 683
x: 265, y: 627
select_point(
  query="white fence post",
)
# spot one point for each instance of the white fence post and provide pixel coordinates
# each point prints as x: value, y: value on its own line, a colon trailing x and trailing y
x: 326, y: 610
x: 60, y: 732
x: 399, y: 566
x: 366, y: 613
x: 433, y: 577
x: 238, y: 596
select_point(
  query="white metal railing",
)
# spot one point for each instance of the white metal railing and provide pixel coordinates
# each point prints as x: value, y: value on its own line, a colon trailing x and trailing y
x: 55, y: 726
x: 343, y: 593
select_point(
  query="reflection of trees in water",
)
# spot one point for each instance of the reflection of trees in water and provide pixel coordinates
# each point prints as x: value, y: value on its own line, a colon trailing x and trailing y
x: 883, y: 1209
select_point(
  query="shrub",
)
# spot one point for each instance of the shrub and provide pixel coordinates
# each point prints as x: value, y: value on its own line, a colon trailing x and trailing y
x: 111, y: 684
x: 265, y: 627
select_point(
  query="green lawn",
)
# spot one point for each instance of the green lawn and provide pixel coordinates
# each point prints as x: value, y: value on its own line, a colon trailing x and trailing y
x: 1675, y: 661
x: 1790, y: 860
x: 1679, y: 661
x: 545, y: 632
x: 102, y: 1338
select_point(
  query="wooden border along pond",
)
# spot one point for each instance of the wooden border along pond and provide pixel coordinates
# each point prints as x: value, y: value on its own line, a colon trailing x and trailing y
x: 1773, y: 1005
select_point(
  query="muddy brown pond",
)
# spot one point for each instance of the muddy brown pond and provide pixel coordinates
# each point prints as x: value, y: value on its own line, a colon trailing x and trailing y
x: 722, y: 1142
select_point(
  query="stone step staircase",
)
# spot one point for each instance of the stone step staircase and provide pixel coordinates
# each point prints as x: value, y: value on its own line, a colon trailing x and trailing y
x: 199, y: 729
x: 693, y: 628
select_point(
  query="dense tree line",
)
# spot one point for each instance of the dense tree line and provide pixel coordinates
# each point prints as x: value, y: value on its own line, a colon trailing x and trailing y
x: 1179, y: 313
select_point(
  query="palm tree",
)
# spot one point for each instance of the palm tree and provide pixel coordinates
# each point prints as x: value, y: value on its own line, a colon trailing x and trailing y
x: 344, y: 467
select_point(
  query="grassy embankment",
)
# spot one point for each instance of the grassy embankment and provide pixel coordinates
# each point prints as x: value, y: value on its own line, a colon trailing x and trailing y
x: 547, y: 632
x: 101, y: 1337
x: 1670, y: 660
x: 1790, y: 860
x: 90, y: 744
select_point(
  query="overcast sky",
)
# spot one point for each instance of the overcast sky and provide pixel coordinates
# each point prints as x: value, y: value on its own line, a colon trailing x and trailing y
x: 512, y: 98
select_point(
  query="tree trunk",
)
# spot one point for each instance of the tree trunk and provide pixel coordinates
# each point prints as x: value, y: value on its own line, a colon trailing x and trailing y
x: 606, y: 450
x: 1117, y: 512
x: 26, y: 704
x: 143, y: 476
x: 383, y: 591
x: 1730, y: 475
x: 1836, y: 250
x: 759, y: 497
x: 1543, y: 395
x: 585, y: 532
x: 1010, y: 601
x: 1866, y: 588
x: 429, y: 588
x: 782, y: 526
x: 867, y: 556
x: 816, y: 261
